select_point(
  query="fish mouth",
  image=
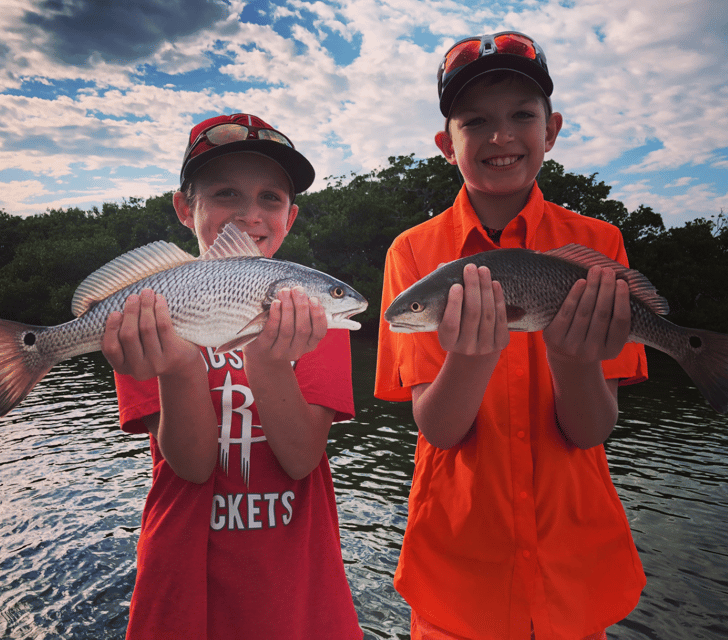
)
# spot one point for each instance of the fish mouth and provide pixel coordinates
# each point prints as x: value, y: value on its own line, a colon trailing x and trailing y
x: 342, y: 319
x: 399, y: 326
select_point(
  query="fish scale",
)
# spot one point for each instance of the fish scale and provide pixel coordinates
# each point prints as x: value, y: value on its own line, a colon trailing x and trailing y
x: 219, y: 300
x: 535, y: 286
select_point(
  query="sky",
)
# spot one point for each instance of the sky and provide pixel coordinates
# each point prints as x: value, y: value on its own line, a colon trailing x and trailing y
x: 97, y: 97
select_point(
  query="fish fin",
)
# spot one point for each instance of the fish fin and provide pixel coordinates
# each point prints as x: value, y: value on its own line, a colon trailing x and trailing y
x: 639, y: 286
x: 236, y: 343
x: 242, y: 340
x: 232, y: 243
x: 260, y: 320
x: 127, y: 269
x: 20, y: 364
x: 705, y: 360
x: 514, y: 314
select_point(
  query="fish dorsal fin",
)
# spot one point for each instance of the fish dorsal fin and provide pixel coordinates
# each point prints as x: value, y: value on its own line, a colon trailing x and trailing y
x: 127, y: 269
x: 232, y: 243
x: 639, y: 286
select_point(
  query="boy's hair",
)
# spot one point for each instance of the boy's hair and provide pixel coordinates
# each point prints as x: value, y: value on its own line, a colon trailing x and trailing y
x: 497, y: 77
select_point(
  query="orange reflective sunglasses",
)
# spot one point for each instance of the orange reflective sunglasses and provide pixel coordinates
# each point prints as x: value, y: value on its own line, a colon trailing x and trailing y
x: 471, y: 49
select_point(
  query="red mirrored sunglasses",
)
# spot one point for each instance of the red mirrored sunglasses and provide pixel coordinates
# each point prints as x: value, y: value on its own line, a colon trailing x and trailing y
x: 226, y: 133
x: 471, y: 49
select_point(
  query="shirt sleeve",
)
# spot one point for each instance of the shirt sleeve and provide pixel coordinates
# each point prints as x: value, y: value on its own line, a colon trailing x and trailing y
x: 324, y: 375
x: 403, y: 360
x: 136, y: 400
x: 630, y: 366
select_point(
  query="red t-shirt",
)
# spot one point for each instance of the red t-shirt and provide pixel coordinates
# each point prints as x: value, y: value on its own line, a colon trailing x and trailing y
x: 514, y: 523
x: 251, y: 553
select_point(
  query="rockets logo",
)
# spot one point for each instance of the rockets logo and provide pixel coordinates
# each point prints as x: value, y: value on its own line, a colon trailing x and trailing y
x: 230, y: 393
x: 234, y: 403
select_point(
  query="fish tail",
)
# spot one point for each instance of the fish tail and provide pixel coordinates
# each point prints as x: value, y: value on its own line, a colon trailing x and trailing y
x: 705, y: 360
x: 21, y: 365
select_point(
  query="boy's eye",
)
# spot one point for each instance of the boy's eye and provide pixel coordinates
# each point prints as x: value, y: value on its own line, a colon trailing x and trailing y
x: 225, y: 193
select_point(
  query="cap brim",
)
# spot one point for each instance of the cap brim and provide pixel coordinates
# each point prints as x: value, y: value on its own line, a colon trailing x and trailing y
x: 487, y: 64
x: 299, y: 170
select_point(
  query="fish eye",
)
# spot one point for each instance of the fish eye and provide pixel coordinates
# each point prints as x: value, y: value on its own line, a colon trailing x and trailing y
x: 416, y: 307
x: 337, y: 292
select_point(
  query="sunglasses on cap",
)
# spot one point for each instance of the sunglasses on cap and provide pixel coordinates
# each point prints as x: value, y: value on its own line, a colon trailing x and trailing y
x: 510, y: 43
x: 225, y: 133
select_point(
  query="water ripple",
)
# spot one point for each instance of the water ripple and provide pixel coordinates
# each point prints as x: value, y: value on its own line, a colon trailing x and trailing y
x: 73, y: 487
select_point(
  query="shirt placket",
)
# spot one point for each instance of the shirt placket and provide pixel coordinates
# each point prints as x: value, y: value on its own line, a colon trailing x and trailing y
x: 524, y: 516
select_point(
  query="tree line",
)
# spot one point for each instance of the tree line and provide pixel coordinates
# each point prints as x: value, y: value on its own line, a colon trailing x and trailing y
x: 345, y: 230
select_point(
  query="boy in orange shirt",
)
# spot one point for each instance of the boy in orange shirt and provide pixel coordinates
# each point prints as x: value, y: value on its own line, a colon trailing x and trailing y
x: 515, y: 529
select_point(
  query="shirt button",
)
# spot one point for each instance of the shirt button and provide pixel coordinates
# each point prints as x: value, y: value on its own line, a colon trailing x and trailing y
x: 521, y: 434
x: 519, y: 372
x: 523, y: 495
x: 526, y: 553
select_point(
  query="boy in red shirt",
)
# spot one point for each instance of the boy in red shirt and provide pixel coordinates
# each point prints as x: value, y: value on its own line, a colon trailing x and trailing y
x: 239, y: 535
x: 515, y: 529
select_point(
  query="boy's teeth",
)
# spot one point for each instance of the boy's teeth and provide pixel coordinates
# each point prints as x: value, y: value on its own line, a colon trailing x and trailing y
x: 501, y: 162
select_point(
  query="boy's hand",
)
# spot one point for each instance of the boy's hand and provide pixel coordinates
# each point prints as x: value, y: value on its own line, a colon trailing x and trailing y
x: 141, y: 341
x: 475, y: 322
x: 295, y: 326
x: 594, y: 321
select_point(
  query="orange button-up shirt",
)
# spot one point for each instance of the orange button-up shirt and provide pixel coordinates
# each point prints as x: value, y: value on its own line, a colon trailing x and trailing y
x: 514, y: 524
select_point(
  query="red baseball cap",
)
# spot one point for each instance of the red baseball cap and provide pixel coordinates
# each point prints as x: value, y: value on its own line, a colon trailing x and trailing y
x: 242, y: 132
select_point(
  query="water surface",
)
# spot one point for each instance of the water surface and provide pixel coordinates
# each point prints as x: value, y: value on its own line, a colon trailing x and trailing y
x: 72, y: 487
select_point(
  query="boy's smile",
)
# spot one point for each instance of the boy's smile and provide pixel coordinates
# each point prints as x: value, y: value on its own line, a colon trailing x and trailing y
x: 247, y: 188
x: 502, y: 161
x: 498, y: 136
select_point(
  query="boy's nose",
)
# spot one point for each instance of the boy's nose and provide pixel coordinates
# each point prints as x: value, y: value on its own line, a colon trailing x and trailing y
x: 501, y: 135
x: 249, y: 215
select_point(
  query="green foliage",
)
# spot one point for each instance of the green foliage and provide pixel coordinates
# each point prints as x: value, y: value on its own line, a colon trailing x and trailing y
x: 345, y: 230
x: 689, y: 267
x: 44, y: 258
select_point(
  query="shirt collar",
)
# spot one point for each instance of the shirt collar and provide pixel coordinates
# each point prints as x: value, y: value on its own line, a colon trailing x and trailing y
x: 519, y: 232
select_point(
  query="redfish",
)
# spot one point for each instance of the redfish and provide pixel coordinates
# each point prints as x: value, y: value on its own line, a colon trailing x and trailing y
x: 535, y: 285
x: 220, y: 300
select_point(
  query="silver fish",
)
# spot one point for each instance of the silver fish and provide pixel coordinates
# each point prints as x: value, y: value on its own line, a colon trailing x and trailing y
x: 535, y: 285
x: 220, y: 300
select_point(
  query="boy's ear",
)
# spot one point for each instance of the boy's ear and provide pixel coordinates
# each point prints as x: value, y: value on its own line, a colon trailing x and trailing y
x: 292, y: 213
x: 553, y: 126
x: 444, y: 144
x: 183, y: 209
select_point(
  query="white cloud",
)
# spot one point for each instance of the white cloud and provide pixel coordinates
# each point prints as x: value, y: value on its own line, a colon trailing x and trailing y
x: 626, y: 73
x: 699, y: 201
x: 680, y: 182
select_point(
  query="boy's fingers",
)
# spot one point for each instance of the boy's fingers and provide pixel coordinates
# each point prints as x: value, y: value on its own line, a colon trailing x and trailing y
x: 268, y: 335
x: 584, y: 313
x: 165, y: 328
x: 302, y: 307
x: 148, y: 332
x: 449, y: 328
x: 501, y: 334
x: 110, y: 346
x: 472, y: 308
x: 487, y: 321
x: 319, y: 323
x: 621, y: 324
